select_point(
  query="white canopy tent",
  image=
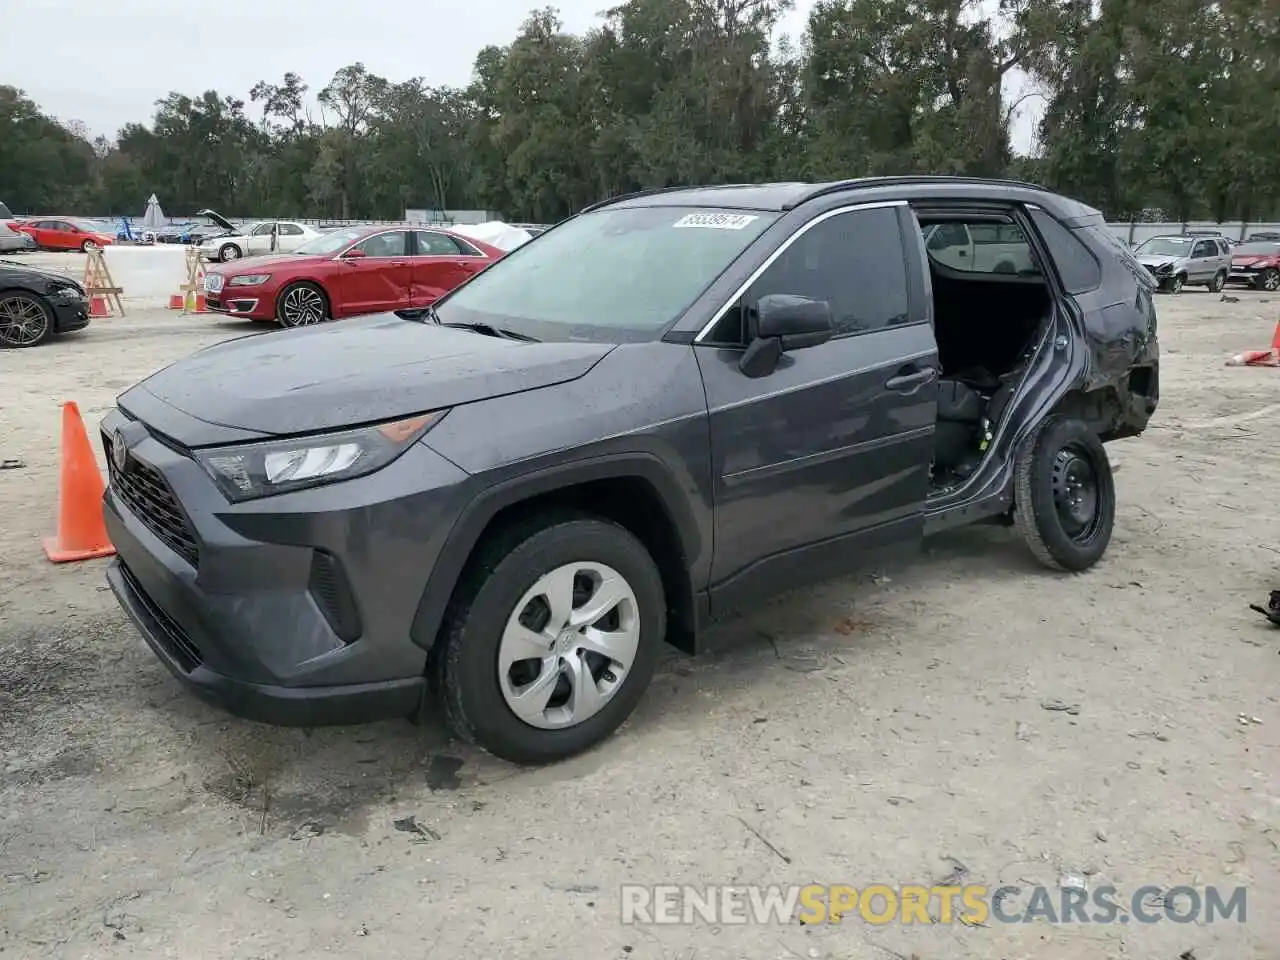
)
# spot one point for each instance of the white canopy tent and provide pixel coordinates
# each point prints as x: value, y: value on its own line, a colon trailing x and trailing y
x: 495, y: 233
x: 154, y: 218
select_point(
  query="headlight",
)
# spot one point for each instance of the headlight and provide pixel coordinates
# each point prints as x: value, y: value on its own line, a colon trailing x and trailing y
x: 252, y: 470
x: 67, y: 291
x: 251, y: 280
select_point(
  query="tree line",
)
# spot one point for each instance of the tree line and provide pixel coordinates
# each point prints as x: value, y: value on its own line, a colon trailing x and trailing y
x: 1171, y: 106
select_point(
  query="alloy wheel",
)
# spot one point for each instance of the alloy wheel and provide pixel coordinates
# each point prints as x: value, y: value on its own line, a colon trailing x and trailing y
x: 301, y: 307
x: 23, y: 321
x: 229, y: 253
x: 569, y: 645
x: 1271, y: 281
x: 1076, y: 494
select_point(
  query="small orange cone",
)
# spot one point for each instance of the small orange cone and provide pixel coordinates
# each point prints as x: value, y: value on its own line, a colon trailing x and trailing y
x: 1260, y: 358
x: 82, y: 533
x: 98, y: 306
x: 176, y: 301
x: 196, y: 304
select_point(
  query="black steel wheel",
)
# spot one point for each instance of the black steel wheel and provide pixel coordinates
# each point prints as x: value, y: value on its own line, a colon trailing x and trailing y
x: 25, y: 320
x: 1065, y: 495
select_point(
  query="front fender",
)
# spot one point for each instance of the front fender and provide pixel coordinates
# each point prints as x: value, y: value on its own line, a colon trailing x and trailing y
x: 483, y: 507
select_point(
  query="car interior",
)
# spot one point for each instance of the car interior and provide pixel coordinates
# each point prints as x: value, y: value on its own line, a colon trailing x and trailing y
x: 988, y: 321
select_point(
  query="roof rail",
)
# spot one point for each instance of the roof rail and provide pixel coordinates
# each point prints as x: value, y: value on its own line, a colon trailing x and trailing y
x: 655, y: 191
x: 823, y: 189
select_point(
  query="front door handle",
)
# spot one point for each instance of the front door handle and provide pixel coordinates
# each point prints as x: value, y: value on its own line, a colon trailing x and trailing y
x: 909, y: 382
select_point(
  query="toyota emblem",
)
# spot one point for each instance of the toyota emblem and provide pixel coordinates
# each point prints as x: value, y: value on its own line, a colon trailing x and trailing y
x: 119, y: 452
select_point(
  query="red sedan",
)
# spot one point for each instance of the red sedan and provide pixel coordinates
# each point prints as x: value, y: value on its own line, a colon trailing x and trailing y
x: 346, y: 273
x: 1257, y: 264
x: 63, y: 233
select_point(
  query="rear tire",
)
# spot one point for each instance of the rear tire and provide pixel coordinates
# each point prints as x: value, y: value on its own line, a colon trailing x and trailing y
x: 1065, y: 495
x: 498, y: 613
x: 1218, y: 282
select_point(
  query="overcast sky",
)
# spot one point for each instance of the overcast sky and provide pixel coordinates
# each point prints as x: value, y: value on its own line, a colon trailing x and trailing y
x: 115, y: 58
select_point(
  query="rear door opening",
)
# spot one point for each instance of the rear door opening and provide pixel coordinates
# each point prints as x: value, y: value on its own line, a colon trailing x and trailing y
x: 993, y: 306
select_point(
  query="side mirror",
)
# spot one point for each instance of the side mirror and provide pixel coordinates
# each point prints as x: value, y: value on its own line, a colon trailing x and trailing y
x: 784, y: 322
x: 797, y: 321
x: 354, y: 255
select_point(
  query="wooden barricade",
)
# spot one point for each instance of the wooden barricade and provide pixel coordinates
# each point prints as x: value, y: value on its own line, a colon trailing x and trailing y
x: 98, y: 285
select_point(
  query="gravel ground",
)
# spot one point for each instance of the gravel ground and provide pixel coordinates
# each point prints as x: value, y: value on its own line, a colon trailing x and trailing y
x: 889, y: 729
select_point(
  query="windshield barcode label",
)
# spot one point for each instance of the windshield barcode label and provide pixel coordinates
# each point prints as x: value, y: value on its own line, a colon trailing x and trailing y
x: 715, y: 221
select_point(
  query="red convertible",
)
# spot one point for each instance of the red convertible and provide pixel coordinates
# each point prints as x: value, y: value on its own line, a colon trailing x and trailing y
x: 346, y: 273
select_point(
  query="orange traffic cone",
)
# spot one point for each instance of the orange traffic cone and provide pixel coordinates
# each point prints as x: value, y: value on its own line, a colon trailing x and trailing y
x: 82, y: 533
x: 196, y: 304
x: 98, y: 306
x: 1260, y: 358
x: 176, y: 300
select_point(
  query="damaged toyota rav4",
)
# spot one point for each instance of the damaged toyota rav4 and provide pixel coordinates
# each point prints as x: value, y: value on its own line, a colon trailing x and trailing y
x: 669, y: 406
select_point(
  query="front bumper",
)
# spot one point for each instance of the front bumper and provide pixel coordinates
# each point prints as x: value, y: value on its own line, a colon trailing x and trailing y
x: 69, y: 313
x: 239, y: 305
x: 294, y: 609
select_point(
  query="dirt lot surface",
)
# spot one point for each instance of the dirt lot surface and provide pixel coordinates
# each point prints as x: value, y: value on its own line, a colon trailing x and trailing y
x: 884, y: 730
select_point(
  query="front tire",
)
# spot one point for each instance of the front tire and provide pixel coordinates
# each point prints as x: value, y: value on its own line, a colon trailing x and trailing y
x: 228, y: 252
x: 301, y: 304
x: 25, y: 320
x: 1269, y: 280
x: 1065, y: 495
x: 551, y: 639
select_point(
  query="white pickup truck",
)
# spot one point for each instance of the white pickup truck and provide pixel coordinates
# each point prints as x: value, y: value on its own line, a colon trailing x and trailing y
x: 980, y: 247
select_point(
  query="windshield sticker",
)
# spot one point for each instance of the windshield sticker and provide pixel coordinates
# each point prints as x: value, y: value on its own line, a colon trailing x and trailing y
x: 716, y: 221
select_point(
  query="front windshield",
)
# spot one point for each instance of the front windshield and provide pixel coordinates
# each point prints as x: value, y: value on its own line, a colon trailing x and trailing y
x: 1258, y: 248
x: 330, y: 242
x: 617, y: 274
x: 1165, y: 247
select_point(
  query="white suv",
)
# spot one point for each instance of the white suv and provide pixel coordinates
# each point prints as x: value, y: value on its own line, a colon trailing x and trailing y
x: 980, y: 247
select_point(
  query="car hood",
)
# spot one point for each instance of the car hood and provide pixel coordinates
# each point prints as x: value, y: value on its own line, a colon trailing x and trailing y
x: 1155, y: 260
x: 47, y: 275
x: 257, y: 264
x: 1249, y: 260
x: 217, y: 218
x: 345, y: 374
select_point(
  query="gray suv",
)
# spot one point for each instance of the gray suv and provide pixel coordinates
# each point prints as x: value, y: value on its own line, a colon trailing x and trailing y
x: 1177, y: 261
x: 658, y: 412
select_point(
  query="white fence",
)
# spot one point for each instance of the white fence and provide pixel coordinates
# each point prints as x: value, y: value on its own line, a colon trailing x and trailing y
x: 1233, y: 230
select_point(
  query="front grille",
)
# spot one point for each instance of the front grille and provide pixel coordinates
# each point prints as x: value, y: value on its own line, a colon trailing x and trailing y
x: 172, y: 637
x: 147, y: 495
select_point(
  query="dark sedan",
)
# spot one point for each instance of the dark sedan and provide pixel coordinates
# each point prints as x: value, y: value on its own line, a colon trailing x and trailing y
x: 37, y: 304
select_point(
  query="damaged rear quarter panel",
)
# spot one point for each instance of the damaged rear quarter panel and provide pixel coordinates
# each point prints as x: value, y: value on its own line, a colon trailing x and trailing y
x: 1120, y: 323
